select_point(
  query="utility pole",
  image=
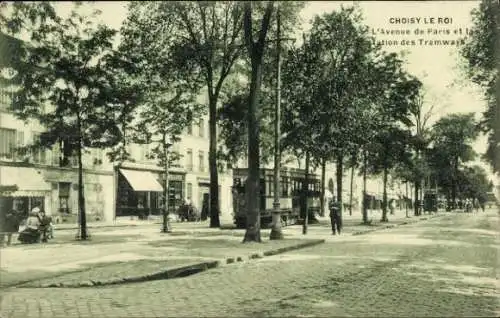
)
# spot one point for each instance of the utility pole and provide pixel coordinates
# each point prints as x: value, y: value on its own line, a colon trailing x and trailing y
x: 276, y: 232
x: 166, y: 225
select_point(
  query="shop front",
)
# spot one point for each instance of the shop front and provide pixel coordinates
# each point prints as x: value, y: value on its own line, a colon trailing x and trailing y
x: 139, y: 193
x: 28, y: 190
x: 176, y: 193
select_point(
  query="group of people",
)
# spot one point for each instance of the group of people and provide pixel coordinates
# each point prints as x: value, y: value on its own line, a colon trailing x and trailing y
x: 469, y: 204
x: 35, y: 228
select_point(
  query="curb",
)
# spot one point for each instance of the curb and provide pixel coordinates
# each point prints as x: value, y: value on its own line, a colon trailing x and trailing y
x: 398, y: 224
x: 97, y: 227
x: 181, y: 271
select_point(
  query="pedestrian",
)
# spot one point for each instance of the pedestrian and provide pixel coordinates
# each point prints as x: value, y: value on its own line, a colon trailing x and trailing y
x: 392, y: 206
x: 10, y: 225
x: 31, y: 232
x: 334, y: 207
x: 46, y: 228
x: 205, y: 208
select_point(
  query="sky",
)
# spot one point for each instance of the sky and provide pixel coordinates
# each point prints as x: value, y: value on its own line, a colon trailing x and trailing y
x: 436, y: 66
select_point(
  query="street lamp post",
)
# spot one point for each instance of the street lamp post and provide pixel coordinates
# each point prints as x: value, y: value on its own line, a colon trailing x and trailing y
x: 83, y: 235
x: 276, y: 232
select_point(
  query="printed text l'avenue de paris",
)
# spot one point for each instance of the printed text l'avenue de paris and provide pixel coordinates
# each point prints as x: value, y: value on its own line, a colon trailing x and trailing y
x: 421, y: 31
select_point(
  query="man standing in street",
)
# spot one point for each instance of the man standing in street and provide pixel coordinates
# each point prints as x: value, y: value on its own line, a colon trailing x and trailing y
x: 334, y: 207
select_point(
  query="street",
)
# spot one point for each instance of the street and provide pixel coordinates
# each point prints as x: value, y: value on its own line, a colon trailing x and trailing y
x: 442, y: 267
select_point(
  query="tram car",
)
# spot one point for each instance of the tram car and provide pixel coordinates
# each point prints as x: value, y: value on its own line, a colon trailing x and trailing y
x: 292, y: 198
x: 431, y: 201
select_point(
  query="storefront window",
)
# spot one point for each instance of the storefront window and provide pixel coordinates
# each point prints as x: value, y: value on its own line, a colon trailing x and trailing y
x: 64, y: 193
x: 189, y: 191
x: 7, y: 143
x: 176, y: 194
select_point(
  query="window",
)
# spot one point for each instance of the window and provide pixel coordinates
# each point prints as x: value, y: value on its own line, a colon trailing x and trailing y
x: 5, y: 98
x: 189, y: 160
x: 56, y: 153
x: 97, y: 156
x: 284, y: 186
x: 201, y: 158
x: 39, y: 155
x: 270, y: 182
x: 143, y: 152
x: 201, y: 127
x: 176, y: 155
x: 7, y: 143
x: 189, y: 191
x: 64, y: 191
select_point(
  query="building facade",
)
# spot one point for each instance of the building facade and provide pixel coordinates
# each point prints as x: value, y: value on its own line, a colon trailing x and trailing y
x: 140, y: 182
x: 133, y: 188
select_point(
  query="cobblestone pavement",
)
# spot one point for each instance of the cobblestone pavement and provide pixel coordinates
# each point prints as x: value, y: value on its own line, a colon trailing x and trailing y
x: 442, y: 267
x: 121, y: 244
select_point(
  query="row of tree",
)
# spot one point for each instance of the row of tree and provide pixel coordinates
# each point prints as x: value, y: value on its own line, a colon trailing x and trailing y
x: 345, y: 100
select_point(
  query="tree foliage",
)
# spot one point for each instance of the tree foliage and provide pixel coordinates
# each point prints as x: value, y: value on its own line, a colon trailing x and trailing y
x: 68, y: 81
x: 474, y: 183
x: 482, y: 55
x: 452, y: 137
x: 204, y: 37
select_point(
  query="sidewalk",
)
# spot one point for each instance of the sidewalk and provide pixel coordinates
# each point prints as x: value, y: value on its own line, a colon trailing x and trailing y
x: 128, y: 222
x: 128, y: 253
x: 131, y: 252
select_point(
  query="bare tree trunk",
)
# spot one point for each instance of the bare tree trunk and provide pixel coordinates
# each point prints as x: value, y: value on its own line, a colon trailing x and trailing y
x: 416, y: 205
x: 256, y: 52
x: 212, y: 162
x: 81, y: 186
x: 454, y: 185
x: 305, y: 191
x: 340, y: 172
x: 253, y: 185
x: 365, y: 197
x: 323, y: 180
x: 422, y: 195
x: 406, y: 199
x: 350, y: 191
x: 384, y: 198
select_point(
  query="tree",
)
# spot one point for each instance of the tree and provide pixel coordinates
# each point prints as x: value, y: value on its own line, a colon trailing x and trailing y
x: 390, y: 148
x: 333, y: 72
x: 474, y: 183
x: 452, y: 136
x: 233, y: 136
x: 482, y: 61
x: 300, y: 116
x: 67, y: 83
x: 398, y: 93
x: 256, y: 49
x: 161, y: 120
x: 232, y: 115
x: 207, y: 36
x: 170, y: 88
x: 421, y: 137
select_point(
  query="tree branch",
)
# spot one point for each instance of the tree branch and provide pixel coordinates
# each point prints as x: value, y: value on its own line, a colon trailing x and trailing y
x: 248, y: 27
x: 265, y: 25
